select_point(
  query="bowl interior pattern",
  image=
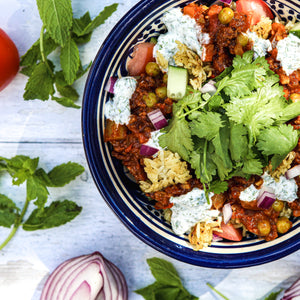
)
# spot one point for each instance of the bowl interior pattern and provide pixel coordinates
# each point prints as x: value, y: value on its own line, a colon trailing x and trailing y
x: 115, y: 184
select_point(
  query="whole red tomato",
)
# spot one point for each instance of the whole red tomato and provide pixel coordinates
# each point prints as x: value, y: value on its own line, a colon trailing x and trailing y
x: 9, y: 60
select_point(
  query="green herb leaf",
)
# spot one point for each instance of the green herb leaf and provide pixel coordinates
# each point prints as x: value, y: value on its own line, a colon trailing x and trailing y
x: 65, y: 101
x: 58, y: 213
x: 8, y: 211
x: 57, y: 18
x: 218, y: 187
x: 64, y: 173
x: 36, y: 189
x: 69, y: 60
x: 40, y: 83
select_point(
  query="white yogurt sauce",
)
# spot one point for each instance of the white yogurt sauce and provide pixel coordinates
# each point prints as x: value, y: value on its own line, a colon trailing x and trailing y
x: 153, y: 141
x: 181, y: 28
x: 189, y: 209
x: 285, y: 189
x: 118, y: 108
x: 260, y: 45
x: 289, y: 53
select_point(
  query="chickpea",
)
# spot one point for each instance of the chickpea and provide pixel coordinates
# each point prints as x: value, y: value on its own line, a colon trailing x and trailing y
x: 278, y: 205
x: 242, y: 39
x: 226, y: 15
x: 152, y: 69
x: 283, y: 225
x: 150, y: 99
x: 264, y: 227
x: 165, y: 78
x: 161, y: 92
x: 295, y: 97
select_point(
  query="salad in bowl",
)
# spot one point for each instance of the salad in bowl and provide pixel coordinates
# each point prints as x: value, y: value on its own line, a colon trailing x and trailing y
x: 199, y: 129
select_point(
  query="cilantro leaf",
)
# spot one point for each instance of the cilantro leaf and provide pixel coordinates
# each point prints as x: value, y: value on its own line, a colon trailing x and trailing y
x: 177, y: 137
x: 57, y: 18
x: 288, y: 113
x: 8, y: 211
x: 278, y: 140
x: 218, y: 186
x: 69, y: 60
x: 238, y: 141
x: 58, y: 213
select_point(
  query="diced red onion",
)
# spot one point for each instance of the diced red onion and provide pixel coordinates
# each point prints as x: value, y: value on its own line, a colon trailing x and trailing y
x: 227, y: 212
x: 146, y: 150
x: 226, y: 1
x: 216, y: 238
x: 293, y: 172
x: 157, y: 118
x: 86, y: 277
x: 266, y: 197
x: 293, y: 291
x: 209, y: 87
x: 110, y: 84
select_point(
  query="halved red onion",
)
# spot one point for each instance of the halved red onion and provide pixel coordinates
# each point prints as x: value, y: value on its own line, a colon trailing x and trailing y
x: 157, y: 119
x: 293, y: 291
x: 86, y: 277
x: 146, y: 150
x: 209, y: 87
x: 227, y: 212
x: 266, y: 197
x: 293, y: 172
x: 110, y: 84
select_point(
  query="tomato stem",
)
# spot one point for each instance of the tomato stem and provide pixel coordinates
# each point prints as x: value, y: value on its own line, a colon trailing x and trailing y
x: 44, y: 59
x: 17, y: 224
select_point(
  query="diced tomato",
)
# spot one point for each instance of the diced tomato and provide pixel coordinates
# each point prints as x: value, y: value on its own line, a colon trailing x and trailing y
x: 214, y: 10
x: 254, y: 9
x: 229, y: 232
x: 142, y: 54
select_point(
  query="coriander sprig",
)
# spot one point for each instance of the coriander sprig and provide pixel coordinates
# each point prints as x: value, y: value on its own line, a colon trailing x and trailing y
x: 60, y: 31
x: 24, y: 170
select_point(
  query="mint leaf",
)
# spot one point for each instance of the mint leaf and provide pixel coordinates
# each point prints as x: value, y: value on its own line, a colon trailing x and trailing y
x: 36, y: 189
x: 65, y: 101
x: 278, y: 140
x: 81, y: 30
x: 57, y: 18
x: 58, y: 213
x: 8, y: 211
x: 164, y: 272
x: 40, y: 83
x: 69, y: 60
x: 64, y: 173
x: 80, y: 24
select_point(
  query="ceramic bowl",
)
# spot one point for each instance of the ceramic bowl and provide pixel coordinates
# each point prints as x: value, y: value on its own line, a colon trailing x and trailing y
x: 119, y: 191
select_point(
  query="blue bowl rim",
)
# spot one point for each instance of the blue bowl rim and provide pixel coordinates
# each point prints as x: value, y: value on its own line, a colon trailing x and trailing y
x: 91, y: 148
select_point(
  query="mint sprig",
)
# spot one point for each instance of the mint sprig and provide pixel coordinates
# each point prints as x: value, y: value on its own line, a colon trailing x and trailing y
x: 63, y: 34
x: 24, y: 170
x: 168, y: 285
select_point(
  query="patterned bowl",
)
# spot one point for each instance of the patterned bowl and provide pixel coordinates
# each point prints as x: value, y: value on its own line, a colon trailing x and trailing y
x: 119, y: 191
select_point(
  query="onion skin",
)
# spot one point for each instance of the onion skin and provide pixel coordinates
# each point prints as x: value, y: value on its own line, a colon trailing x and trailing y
x: 88, y: 277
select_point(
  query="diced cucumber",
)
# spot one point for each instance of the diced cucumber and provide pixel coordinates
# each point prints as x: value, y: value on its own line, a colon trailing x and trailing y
x: 177, y: 82
x: 296, y: 30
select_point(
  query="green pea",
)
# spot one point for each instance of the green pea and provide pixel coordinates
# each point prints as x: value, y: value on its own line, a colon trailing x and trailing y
x: 161, y: 92
x: 150, y: 99
x: 152, y: 69
x: 226, y: 15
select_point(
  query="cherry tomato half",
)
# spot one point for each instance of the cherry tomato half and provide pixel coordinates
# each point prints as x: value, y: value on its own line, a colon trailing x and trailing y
x: 254, y: 9
x: 9, y: 60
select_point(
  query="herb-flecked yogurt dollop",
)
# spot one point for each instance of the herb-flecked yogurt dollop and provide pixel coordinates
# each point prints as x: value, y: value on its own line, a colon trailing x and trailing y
x: 285, y: 189
x: 289, y: 53
x: 180, y: 28
x: 260, y: 45
x: 118, y: 108
x: 190, y: 208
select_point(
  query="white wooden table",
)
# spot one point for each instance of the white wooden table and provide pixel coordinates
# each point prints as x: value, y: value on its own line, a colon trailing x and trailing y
x: 53, y: 133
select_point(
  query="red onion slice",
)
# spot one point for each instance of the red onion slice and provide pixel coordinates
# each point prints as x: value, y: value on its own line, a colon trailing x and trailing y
x: 266, y: 197
x: 227, y: 212
x: 157, y: 119
x: 293, y: 291
x: 110, y: 84
x: 293, y: 172
x: 216, y: 238
x: 209, y: 87
x: 146, y: 150
x: 86, y: 277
